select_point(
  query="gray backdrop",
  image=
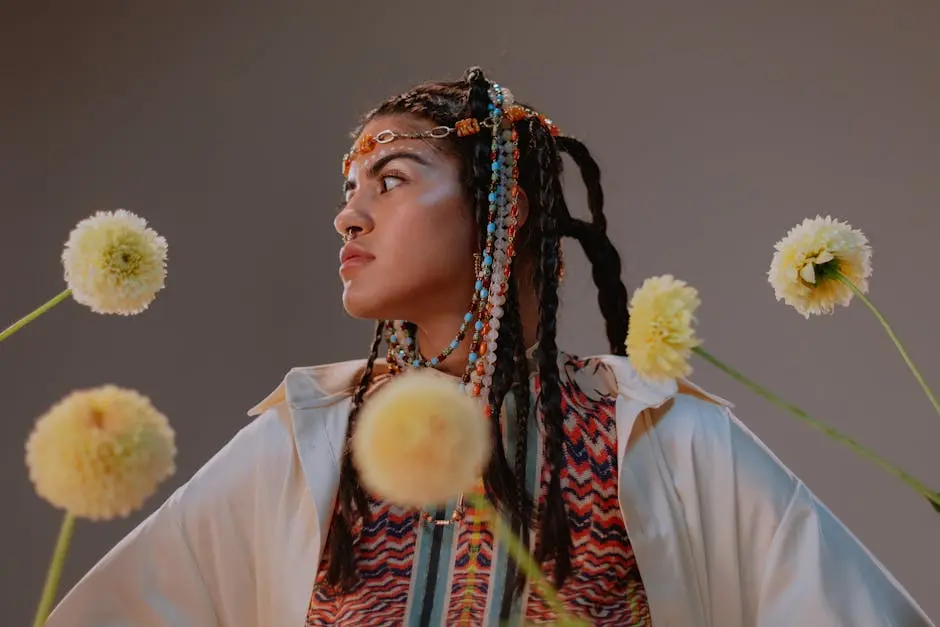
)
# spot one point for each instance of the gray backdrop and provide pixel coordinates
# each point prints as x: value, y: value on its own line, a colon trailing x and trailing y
x: 717, y: 128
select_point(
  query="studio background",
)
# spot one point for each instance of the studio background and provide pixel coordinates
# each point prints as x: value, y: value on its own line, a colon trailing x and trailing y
x: 717, y: 128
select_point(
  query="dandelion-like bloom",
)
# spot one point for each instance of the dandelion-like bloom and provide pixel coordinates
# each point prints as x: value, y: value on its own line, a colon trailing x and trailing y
x: 420, y: 440
x: 802, y: 272
x: 661, y: 338
x: 100, y: 453
x: 114, y: 263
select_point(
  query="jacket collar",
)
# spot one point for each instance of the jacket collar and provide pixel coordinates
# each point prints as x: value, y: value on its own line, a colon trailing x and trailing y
x: 322, y: 385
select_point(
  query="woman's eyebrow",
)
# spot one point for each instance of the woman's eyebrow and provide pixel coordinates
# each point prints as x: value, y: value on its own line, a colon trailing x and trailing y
x: 384, y: 160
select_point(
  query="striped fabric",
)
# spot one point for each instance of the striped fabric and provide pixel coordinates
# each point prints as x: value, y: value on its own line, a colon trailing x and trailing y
x: 417, y: 575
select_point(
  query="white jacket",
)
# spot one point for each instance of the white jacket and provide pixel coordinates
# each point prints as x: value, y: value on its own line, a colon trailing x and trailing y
x: 724, y: 534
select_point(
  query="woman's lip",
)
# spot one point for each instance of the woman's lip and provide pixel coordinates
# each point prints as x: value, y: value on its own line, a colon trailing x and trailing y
x: 354, y: 261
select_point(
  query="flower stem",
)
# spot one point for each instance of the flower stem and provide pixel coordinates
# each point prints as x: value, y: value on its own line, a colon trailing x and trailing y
x: 894, y: 338
x: 524, y: 560
x: 55, y: 570
x: 932, y: 496
x: 22, y: 322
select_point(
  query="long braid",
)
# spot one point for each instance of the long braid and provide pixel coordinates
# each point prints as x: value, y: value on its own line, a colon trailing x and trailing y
x: 605, y: 270
x: 498, y: 477
x: 351, y: 499
x: 522, y: 397
x: 590, y: 174
x: 555, y: 535
x: 603, y: 255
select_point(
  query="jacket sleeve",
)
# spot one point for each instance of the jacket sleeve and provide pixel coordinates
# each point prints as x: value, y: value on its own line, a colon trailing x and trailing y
x: 189, y: 564
x: 767, y: 537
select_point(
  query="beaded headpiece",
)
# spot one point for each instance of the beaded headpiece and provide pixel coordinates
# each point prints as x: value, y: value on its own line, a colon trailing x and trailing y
x: 495, y: 262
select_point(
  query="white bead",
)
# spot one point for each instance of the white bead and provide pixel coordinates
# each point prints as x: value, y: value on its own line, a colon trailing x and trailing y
x: 488, y: 380
x: 494, y: 324
x: 489, y: 369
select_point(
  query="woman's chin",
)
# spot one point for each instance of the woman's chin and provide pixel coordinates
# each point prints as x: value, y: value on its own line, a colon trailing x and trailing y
x: 362, y: 304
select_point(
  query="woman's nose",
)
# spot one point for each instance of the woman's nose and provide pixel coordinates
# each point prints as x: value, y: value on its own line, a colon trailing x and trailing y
x: 353, y: 220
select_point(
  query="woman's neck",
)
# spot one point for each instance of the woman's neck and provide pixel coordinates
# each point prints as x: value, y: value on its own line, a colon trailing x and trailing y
x: 436, y: 334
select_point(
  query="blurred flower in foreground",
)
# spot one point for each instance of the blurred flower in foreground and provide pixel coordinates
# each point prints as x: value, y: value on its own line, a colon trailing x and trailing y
x: 806, y: 263
x: 113, y: 263
x: 97, y: 454
x: 823, y: 262
x: 660, y: 338
x: 100, y: 453
x: 420, y: 440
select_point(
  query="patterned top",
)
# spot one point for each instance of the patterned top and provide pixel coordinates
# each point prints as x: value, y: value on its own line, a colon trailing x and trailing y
x: 415, y: 574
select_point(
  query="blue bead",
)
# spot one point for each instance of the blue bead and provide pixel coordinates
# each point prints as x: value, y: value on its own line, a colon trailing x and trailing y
x: 491, y: 227
x: 416, y: 363
x: 393, y: 338
x: 434, y: 361
x: 473, y: 358
x: 478, y: 325
x: 409, y: 340
x: 478, y: 285
x: 483, y: 294
x: 401, y: 354
x: 453, y: 344
x: 468, y: 317
x: 487, y: 261
x: 495, y: 166
x: 492, y: 197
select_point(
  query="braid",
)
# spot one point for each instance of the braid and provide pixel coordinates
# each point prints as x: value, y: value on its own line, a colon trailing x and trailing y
x: 497, y: 478
x: 605, y: 269
x: 590, y: 174
x: 512, y: 328
x: 555, y: 534
x: 604, y: 258
x: 351, y: 499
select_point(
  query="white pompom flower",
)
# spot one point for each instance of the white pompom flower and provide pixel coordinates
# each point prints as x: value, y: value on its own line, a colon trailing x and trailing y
x: 420, y: 441
x: 806, y: 263
x: 114, y: 263
x: 100, y: 453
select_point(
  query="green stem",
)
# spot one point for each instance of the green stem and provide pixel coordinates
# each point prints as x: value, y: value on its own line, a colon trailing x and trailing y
x: 894, y: 338
x: 930, y: 495
x: 22, y: 322
x: 523, y: 559
x: 55, y: 571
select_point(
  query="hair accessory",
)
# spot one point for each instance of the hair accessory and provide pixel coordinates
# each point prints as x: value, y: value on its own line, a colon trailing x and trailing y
x: 462, y: 128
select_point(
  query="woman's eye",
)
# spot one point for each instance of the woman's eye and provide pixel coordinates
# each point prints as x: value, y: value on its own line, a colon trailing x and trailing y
x: 390, y: 182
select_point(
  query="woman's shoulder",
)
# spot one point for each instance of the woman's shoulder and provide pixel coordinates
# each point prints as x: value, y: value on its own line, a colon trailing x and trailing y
x: 321, y: 384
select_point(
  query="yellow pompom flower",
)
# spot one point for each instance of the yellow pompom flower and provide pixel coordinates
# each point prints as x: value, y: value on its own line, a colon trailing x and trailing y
x: 805, y: 263
x: 420, y: 440
x: 661, y: 338
x: 114, y: 263
x: 100, y: 453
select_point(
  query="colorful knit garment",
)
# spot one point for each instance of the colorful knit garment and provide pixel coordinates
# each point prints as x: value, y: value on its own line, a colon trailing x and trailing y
x: 414, y: 574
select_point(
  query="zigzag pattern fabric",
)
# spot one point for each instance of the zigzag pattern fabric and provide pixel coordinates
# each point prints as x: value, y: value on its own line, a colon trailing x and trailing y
x: 413, y: 574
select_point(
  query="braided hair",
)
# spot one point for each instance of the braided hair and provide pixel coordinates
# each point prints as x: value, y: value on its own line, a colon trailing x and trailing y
x: 538, y: 244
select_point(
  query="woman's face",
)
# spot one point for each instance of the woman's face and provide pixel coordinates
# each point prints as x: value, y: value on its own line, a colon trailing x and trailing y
x: 413, y: 235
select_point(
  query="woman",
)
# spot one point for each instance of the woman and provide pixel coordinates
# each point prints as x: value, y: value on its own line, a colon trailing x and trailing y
x: 644, y: 503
